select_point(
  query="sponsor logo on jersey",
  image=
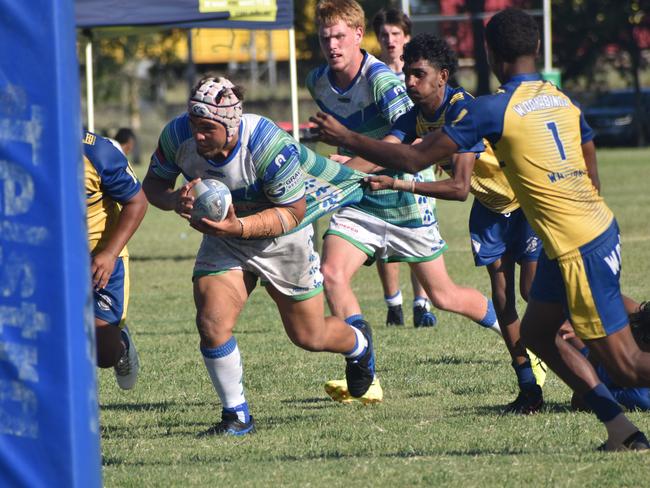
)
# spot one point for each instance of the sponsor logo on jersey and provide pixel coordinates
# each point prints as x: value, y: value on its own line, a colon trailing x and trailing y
x: 296, y: 179
x: 460, y: 117
x: 532, y: 243
x: 104, y: 302
x: 540, y: 102
x: 555, y: 177
x: 613, y: 260
x: 89, y: 139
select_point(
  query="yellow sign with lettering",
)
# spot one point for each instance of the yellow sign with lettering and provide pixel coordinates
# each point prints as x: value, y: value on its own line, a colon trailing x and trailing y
x: 243, y: 10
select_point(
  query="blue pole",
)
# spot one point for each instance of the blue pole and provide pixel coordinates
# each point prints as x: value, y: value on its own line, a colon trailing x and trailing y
x: 49, y: 432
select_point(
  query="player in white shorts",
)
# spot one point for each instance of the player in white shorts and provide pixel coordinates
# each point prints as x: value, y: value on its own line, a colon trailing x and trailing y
x: 364, y: 95
x: 263, y: 236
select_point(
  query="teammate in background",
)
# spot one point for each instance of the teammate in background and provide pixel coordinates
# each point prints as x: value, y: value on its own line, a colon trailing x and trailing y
x: 535, y: 131
x: 499, y: 233
x: 261, y: 165
x: 367, y: 97
x: 125, y: 137
x: 116, y: 206
x: 393, y: 29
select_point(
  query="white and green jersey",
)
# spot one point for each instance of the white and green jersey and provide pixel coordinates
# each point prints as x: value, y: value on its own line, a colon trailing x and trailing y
x: 266, y: 168
x: 375, y: 99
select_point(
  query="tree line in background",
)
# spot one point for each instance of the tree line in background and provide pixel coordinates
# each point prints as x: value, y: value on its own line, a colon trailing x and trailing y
x: 590, y: 40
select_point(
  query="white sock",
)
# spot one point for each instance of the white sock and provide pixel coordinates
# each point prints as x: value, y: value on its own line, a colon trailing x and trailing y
x: 496, y: 328
x: 395, y: 300
x: 421, y: 302
x: 360, y: 345
x: 226, y: 372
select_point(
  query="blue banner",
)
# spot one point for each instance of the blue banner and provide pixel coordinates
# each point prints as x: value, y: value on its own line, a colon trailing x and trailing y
x: 49, y: 432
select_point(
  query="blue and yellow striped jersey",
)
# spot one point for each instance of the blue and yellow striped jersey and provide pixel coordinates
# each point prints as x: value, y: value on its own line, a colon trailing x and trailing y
x: 537, y: 134
x: 109, y: 181
x: 488, y: 183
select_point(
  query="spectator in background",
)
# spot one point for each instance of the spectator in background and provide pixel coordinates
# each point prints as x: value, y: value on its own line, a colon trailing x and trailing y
x: 125, y: 137
x: 393, y: 29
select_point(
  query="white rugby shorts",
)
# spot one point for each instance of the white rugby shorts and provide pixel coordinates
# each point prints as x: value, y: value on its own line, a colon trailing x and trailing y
x: 384, y: 241
x: 289, y: 263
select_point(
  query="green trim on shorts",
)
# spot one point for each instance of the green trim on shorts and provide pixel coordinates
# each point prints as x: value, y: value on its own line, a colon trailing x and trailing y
x: 200, y: 274
x: 302, y: 296
x: 355, y: 243
x: 398, y: 259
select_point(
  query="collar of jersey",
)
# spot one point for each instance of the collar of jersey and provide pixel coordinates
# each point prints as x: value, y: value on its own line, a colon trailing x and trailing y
x: 233, y: 153
x: 330, y: 76
x: 525, y: 77
x: 441, y: 108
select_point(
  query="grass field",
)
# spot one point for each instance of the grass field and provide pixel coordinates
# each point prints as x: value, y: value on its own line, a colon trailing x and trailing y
x: 440, y: 423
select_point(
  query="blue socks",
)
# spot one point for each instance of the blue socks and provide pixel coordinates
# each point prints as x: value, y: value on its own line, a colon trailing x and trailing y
x: 602, y: 403
x: 490, y: 315
x: 525, y: 376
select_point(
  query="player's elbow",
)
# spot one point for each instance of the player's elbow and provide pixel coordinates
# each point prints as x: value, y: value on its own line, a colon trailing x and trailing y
x: 459, y: 190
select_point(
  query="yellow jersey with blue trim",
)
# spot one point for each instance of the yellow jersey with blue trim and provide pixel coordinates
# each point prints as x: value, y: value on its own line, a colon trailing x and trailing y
x: 109, y: 181
x: 488, y: 183
x: 537, y: 134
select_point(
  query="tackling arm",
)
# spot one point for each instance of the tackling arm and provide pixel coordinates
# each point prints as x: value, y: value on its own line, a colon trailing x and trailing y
x: 455, y: 188
x: 410, y: 158
x: 366, y: 166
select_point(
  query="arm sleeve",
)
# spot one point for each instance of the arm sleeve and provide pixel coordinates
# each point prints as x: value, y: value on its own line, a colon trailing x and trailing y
x: 389, y: 93
x: 172, y: 136
x: 586, y: 132
x: 118, y: 180
x: 404, y: 127
x: 277, y: 162
x: 476, y: 119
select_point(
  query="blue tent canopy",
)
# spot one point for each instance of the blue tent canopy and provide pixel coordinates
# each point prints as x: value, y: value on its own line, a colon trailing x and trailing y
x: 266, y: 14
x: 221, y: 14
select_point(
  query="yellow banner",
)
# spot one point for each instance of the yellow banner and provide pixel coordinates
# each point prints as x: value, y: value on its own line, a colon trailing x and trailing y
x: 246, y: 10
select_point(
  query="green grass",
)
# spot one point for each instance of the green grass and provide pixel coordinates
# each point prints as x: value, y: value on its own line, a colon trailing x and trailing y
x: 438, y: 426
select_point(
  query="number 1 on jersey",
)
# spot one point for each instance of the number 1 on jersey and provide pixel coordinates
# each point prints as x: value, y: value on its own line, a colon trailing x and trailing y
x: 556, y: 136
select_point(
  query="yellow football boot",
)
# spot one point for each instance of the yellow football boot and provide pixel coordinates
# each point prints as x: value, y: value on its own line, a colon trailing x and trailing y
x: 338, y: 391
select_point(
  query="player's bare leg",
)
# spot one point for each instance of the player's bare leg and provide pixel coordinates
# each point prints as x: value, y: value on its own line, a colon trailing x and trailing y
x: 502, y: 280
x: 307, y: 327
x: 539, y: 331
x: 447, y: 295
x: 219, y: 300
x: 341, y: 260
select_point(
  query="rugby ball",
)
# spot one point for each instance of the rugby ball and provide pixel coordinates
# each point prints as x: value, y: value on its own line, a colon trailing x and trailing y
x: 211, y: 200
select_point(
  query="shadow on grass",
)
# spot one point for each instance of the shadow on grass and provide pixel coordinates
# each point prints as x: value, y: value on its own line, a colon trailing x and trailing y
x: 320, y: 401
x: 150, y: 407
x: 548, y: 407
x: 143, y: 259
x: 332, y: 455
x: 455, y: 360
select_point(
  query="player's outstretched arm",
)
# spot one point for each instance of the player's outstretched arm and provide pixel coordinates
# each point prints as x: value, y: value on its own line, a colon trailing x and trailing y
x: 131, y: 216
x: 455, y: 188
x: 401, y: 157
